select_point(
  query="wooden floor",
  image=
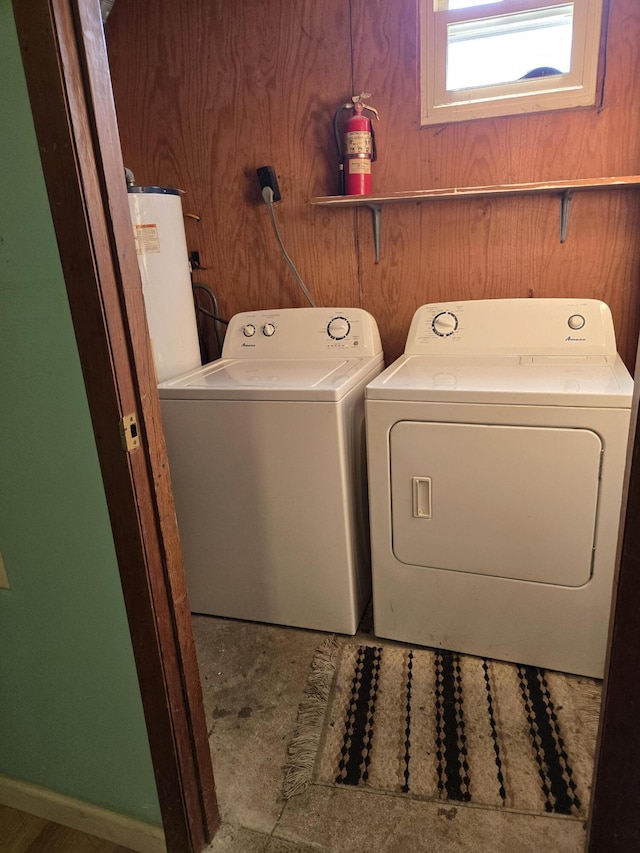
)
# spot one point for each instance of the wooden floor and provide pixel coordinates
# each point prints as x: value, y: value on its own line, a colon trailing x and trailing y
x: 24, y: 833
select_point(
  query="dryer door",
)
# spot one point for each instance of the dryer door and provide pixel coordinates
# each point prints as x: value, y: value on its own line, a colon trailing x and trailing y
x: 509, y: 501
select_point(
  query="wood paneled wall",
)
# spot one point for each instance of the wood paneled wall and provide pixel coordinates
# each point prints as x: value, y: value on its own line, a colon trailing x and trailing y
x: 207, y: 91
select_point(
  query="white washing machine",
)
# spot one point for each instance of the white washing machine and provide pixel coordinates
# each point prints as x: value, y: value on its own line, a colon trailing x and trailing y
x: 496, y: 451
x: 267, y: 459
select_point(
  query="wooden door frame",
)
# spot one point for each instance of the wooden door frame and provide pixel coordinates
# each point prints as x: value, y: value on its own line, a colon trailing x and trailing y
x: 64, y: 56
x: 614, y: 816
x: 65, y: 61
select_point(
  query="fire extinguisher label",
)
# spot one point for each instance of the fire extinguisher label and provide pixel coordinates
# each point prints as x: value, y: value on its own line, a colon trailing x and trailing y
x: 358, y: 142
x: 359, y: 167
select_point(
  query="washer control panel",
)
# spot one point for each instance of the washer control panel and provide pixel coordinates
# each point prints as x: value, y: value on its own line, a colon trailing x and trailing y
x: 513, y: 327
x: 338, y: 328
x: 302, y: 333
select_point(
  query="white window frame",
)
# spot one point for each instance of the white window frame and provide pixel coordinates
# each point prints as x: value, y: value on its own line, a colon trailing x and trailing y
x: 575, y: 89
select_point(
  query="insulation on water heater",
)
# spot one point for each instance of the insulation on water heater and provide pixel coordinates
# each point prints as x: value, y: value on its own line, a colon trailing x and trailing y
x: 158, y: 226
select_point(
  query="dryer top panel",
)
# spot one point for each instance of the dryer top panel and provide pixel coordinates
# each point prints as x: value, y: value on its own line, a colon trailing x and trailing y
x: 513, y: 327
x: 598, y: 381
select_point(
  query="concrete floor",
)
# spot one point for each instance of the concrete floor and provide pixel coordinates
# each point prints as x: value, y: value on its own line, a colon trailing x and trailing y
x: 253, y: 677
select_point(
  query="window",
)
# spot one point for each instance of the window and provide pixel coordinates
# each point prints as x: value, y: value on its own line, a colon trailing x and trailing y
x: 504, y: 57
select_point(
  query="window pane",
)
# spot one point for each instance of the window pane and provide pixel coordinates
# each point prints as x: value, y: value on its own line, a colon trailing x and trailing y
x: 490, y: 51
x: 462, y: 4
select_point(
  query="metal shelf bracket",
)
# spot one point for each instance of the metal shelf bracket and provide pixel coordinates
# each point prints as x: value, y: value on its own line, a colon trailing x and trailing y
x: 565, y: 206
x: 376, y: 215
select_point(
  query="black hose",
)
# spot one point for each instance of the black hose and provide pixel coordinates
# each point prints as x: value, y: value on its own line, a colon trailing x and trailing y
x: 212, y: 314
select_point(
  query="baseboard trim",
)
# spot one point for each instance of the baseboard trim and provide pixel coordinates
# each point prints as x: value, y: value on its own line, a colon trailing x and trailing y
x: 85, y: 817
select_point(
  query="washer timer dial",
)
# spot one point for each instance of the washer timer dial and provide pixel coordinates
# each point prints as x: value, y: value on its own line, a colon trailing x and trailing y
x: 338, y: 328
x: 444, y: 324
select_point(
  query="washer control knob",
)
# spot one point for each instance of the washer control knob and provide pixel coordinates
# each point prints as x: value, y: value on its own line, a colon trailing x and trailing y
x: 576, y: 321
x: 268, y: 329
x: 444, y: 324
x: 249, y: 330
x: 338, y: 328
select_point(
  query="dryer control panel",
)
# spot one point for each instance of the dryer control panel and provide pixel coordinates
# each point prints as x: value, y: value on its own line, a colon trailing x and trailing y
x: 302, y: 333
x: 548, y: 327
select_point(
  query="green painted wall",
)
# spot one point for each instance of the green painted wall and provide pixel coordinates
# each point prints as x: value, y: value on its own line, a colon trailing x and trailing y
x: 70, y: 711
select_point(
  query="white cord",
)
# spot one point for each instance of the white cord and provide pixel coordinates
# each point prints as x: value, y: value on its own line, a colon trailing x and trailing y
x: 267, y: 195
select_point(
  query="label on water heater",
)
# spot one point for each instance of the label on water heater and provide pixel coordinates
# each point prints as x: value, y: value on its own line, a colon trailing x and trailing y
x: 147, y: 239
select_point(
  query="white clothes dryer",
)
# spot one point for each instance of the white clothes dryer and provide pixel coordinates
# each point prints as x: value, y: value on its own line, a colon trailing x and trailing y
x: 267, y: 460
x: 496, y: 455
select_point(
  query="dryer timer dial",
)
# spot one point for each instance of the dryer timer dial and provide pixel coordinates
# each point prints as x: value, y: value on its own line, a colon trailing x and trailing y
x: 338, y: 328
x: 444, y: 324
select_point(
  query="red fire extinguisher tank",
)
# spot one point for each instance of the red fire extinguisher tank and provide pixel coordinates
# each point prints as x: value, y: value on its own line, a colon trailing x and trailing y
x: 358, y: 150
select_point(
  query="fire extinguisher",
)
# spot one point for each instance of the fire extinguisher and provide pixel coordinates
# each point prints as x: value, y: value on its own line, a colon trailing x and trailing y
x: 356, y: 146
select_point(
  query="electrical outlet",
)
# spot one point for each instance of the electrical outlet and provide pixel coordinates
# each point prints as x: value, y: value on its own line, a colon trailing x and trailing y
x: 267, y: 178
x: 4, y: 580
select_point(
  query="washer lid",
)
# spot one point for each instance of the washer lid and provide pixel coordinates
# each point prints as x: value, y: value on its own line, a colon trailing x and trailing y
x: 323, y: 379
x: 601, y: 381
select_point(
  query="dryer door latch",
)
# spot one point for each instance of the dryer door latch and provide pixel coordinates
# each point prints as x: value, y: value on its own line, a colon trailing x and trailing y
x: 421, y: 497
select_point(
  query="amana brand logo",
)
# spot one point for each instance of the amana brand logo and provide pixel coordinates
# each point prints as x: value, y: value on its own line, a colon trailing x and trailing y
x: 247, y: 345
x: 569, y: 338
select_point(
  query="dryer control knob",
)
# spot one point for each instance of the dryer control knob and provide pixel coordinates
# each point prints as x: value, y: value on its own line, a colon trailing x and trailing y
x: 268, y: 329
x: 576, y: 321
x: 444, y: 324
x: 338, y: 328
x: 249, y: 330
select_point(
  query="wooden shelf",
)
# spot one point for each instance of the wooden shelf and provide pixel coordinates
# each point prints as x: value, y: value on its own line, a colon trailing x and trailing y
x: 564, y: 189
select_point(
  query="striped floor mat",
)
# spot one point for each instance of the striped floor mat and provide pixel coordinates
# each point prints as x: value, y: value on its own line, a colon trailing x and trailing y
x: 435, y: 725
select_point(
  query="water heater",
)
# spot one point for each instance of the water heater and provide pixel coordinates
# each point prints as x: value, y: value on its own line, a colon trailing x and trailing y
x: 158, y: 226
